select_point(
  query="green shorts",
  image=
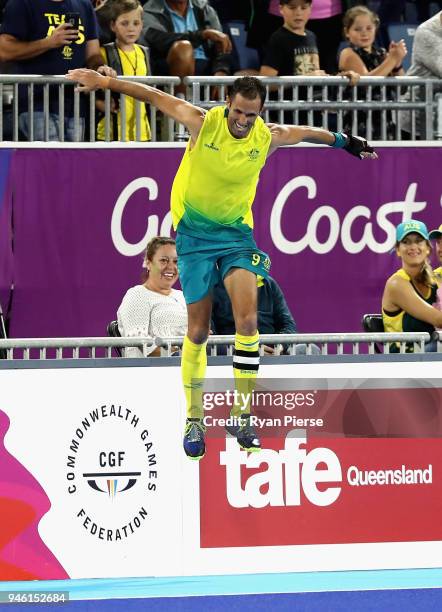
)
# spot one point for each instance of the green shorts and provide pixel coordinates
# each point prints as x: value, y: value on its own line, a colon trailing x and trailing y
x: 203, y: 261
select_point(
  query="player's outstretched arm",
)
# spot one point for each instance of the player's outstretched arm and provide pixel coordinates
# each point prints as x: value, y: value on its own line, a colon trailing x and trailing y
x: 283, y: 135
x: 181, y: 111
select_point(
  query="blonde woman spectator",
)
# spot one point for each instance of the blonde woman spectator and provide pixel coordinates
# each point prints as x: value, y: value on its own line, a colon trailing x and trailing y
x: 154, y: 308
x: 411, y: 292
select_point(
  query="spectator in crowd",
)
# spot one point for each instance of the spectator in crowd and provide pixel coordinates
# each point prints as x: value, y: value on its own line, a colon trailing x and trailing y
x: 154, y: 309
x: 365, y: 58
x: 274, y: 316
x: 292, y: 50
x: 126, y: 58
x: 186, y: 39
x: 36, y: 37
x: 411, y: 292
x: 436, y: 235
x: 362, y: 56
x: 426, y: 62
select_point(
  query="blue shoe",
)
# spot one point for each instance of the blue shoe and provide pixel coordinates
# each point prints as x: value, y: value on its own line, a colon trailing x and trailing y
x: 193, y: 442
x: 245, y: 433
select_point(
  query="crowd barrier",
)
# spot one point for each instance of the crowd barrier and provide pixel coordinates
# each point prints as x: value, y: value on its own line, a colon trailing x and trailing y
x: 370, y: 109
x: 56, y: 86
x: 73, y: 348
x: 95, y: 484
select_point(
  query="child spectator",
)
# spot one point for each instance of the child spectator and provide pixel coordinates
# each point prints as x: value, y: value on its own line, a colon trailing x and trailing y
x: 362, y: 56
x: 292, y: 50
x: 126, y: 58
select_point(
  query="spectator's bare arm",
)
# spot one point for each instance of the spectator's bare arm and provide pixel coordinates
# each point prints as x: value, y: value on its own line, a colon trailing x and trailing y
x: 267, y: 71
x: 349, y: 60
x: 222, y: 41
x: 13, y: 49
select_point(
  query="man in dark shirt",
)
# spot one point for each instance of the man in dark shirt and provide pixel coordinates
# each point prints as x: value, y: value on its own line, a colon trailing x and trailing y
x: 292, y: 50
x: 185, y: 39
x: 274, y: 316
x: 34, y: 36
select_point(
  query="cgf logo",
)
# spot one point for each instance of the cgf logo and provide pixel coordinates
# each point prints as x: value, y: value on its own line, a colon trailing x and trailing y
x: 116, y: 481
x: 253, y: 154
x: 67, y: 52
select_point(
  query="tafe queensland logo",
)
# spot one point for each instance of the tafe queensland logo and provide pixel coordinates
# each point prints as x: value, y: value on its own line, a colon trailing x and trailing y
x: 112, y: 472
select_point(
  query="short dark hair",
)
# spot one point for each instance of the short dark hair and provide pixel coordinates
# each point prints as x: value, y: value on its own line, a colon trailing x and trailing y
x: 124, y: 6
x: 152, y: 247
x: 154, y: 244
x: 287, y: 1
x: 249, y: 87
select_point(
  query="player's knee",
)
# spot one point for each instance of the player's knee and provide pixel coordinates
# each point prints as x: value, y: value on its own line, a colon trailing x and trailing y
x: 198, y: 335
x: 247, y: 325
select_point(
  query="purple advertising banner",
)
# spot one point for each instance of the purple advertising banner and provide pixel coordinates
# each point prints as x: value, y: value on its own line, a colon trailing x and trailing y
x: 82, y: 218
x: 6, y: 241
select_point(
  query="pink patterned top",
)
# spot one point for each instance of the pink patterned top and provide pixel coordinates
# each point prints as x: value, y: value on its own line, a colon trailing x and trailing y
x: 321, y: 9
x: 274, y: 8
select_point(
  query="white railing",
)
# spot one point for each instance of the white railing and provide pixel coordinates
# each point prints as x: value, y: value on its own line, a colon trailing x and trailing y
x: 51, y: 87
x: 372, y: 108
x: 92, y: 348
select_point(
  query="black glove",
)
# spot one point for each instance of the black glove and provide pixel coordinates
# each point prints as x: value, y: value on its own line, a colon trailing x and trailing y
x: 357, y: 146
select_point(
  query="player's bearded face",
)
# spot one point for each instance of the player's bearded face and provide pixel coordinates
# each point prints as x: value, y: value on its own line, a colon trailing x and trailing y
x: 242, y: 114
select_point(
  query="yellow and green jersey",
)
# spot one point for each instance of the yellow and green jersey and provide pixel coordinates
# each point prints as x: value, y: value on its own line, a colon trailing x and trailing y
x: 216, y: 182
x: 400, y: 321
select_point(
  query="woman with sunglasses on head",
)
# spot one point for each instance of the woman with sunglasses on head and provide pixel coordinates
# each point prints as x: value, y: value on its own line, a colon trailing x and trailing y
x: 411, y: 292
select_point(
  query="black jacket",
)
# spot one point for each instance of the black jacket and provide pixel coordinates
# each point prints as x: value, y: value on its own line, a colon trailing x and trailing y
x: 274, y: 316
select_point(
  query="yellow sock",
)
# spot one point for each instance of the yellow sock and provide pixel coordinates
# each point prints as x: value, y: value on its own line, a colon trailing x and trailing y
x: 245, y: 371
x: 193, y: 371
